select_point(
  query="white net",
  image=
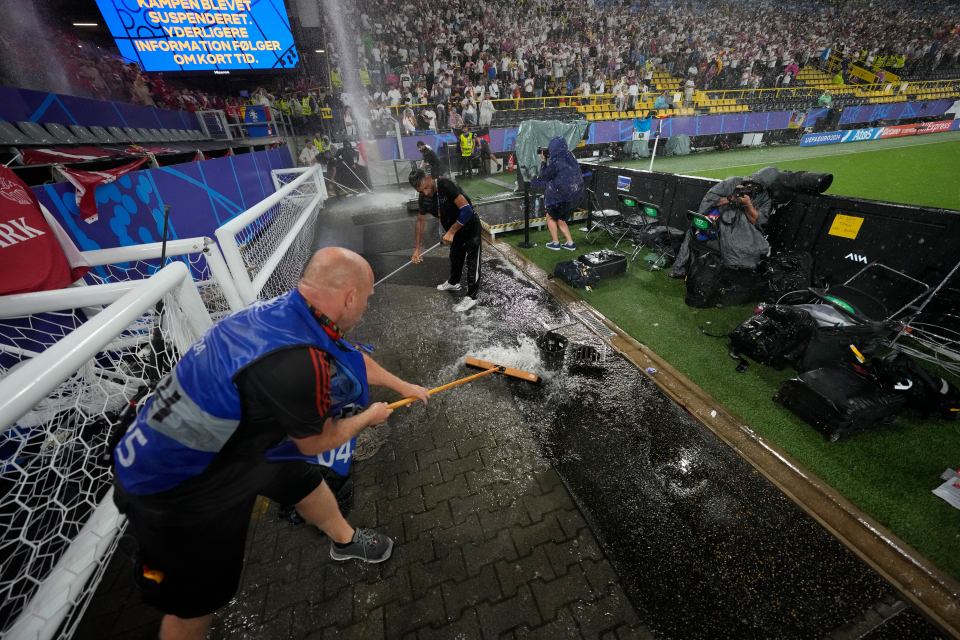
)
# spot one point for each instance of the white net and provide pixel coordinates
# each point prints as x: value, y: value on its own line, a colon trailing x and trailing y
x: 55, y: 457
x: 267, y: 246
x: 199, y: 254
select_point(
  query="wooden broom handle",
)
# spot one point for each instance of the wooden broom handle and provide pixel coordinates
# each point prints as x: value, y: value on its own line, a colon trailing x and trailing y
x: 449, y: 385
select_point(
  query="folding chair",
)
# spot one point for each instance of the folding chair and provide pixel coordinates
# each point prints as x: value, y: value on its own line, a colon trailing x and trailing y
x: 608, y: 220
x: 645, y: 225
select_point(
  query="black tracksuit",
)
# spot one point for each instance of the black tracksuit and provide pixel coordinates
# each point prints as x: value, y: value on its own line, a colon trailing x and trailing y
x: 466, y: 242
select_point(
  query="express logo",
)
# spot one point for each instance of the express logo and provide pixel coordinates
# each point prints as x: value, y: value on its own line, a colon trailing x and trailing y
x: 13, y: 191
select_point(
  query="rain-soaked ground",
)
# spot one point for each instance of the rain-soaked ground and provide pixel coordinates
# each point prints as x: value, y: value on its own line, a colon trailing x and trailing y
x: 702, y: 545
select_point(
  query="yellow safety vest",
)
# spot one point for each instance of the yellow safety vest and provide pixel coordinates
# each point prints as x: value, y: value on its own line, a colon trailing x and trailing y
x: 305, y: 105
x: 318, y: 143
x: 466, y: 144
x: 284, y: 107
x: 364, y: 77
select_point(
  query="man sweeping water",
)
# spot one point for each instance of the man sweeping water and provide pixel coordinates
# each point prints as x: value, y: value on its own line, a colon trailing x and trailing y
x: 202, y: 449
x: 443, y: 199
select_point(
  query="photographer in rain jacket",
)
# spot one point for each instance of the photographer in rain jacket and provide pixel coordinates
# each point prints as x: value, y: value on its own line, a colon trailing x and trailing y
x: 562, y: 184
x: 740, y: 218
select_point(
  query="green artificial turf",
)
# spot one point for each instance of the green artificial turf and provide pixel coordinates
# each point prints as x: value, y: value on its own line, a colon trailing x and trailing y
x: 486, y: 187
x: 889, y: 473
x: 919, y: 170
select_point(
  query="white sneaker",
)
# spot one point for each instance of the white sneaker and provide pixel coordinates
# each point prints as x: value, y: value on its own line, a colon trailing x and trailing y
x: 446, y: 286
x: 465, y: 305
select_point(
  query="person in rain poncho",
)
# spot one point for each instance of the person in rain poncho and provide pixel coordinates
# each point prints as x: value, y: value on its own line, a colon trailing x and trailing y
x: 562, y: 184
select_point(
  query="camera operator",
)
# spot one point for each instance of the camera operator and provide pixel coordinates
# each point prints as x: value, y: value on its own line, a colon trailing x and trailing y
x: 741, y: 207
x: 562, y: 184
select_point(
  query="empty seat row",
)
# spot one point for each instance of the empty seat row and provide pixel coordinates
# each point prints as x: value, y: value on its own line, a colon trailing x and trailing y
x: 31, y: 133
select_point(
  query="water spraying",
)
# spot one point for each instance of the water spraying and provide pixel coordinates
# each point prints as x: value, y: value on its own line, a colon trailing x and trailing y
x: 26, y: 49
x: 354, y: 96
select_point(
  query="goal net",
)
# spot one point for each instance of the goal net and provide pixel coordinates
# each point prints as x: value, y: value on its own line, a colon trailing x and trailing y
x: 74, y: 363
x: 266, y: 246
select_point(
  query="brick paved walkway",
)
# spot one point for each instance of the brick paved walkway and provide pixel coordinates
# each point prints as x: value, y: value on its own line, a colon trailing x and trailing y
x: 489, y: 541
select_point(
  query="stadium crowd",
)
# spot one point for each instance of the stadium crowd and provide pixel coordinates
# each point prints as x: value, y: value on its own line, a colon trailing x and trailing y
x: 425, y: 68
x: 460, y: 59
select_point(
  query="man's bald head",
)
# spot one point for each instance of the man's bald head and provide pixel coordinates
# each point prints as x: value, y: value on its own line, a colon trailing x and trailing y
x: 337, y: 269
x: 338, y: 283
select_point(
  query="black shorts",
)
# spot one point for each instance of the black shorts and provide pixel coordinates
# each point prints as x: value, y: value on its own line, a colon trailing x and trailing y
x: 189, y: 566
x: 561, y: 211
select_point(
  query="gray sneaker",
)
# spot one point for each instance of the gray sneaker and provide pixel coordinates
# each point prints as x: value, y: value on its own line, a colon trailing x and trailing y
x: 366, y: 545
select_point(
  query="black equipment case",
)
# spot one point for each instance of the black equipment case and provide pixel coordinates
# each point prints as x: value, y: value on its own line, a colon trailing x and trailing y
x: 777, y: 336
x: 605, y: 262
x: 839, y: 401
x: 576, y: 274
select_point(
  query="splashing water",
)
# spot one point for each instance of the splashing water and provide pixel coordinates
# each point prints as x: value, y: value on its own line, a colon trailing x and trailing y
x: 376, y: 201
x: 28, y: 59
x: 354, y: 94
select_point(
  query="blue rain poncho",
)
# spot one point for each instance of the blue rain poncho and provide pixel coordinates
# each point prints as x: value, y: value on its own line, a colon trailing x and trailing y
x: 560, y: 177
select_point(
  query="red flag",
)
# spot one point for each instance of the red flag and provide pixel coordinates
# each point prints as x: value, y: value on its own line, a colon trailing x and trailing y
x: 86, y: 182
x: 139, y: 150
x: 66, y: 155
x: 33, y: 248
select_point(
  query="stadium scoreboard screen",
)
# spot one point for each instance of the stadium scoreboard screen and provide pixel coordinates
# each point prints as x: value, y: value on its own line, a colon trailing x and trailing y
x: 202, y: 35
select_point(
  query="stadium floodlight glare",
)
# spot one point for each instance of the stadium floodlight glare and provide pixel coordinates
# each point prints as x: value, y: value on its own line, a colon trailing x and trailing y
x: 319, y: 50
x: 86, y: 24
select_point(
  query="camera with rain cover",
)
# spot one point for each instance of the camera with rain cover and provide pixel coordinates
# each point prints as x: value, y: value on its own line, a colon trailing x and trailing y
x: 748, y: 188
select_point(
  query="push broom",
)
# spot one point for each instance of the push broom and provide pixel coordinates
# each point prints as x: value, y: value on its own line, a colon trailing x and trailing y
x: 489, y: 368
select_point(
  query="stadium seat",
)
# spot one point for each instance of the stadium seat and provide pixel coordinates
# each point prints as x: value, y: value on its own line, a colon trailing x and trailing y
x: 9, y: 134
x: 102, y: 135
x: 119, y: 135
x: 156, y: 135
x: 167, y: 135
x: 35, y: 133
x: 134, y: 134
x: 83, y: 134
x: 145, y: 134
x: 61, y: 133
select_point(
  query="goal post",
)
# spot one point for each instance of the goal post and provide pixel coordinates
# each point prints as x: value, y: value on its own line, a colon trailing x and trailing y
x: 58, y: 409
x: 202, y: 255
x: 267, y: 245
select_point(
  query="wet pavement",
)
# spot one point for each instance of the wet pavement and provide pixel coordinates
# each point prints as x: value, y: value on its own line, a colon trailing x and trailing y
x: 588, y: 506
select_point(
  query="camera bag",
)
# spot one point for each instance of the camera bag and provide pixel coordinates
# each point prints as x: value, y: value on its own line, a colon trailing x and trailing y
x: 830, y: 345
x: 926, y: 393
x: 777, y: 336
x: 711, y: 284
x: 605, y: 263
x: 840, y: 401
x: 576, y: 274
x: 786, y: 272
